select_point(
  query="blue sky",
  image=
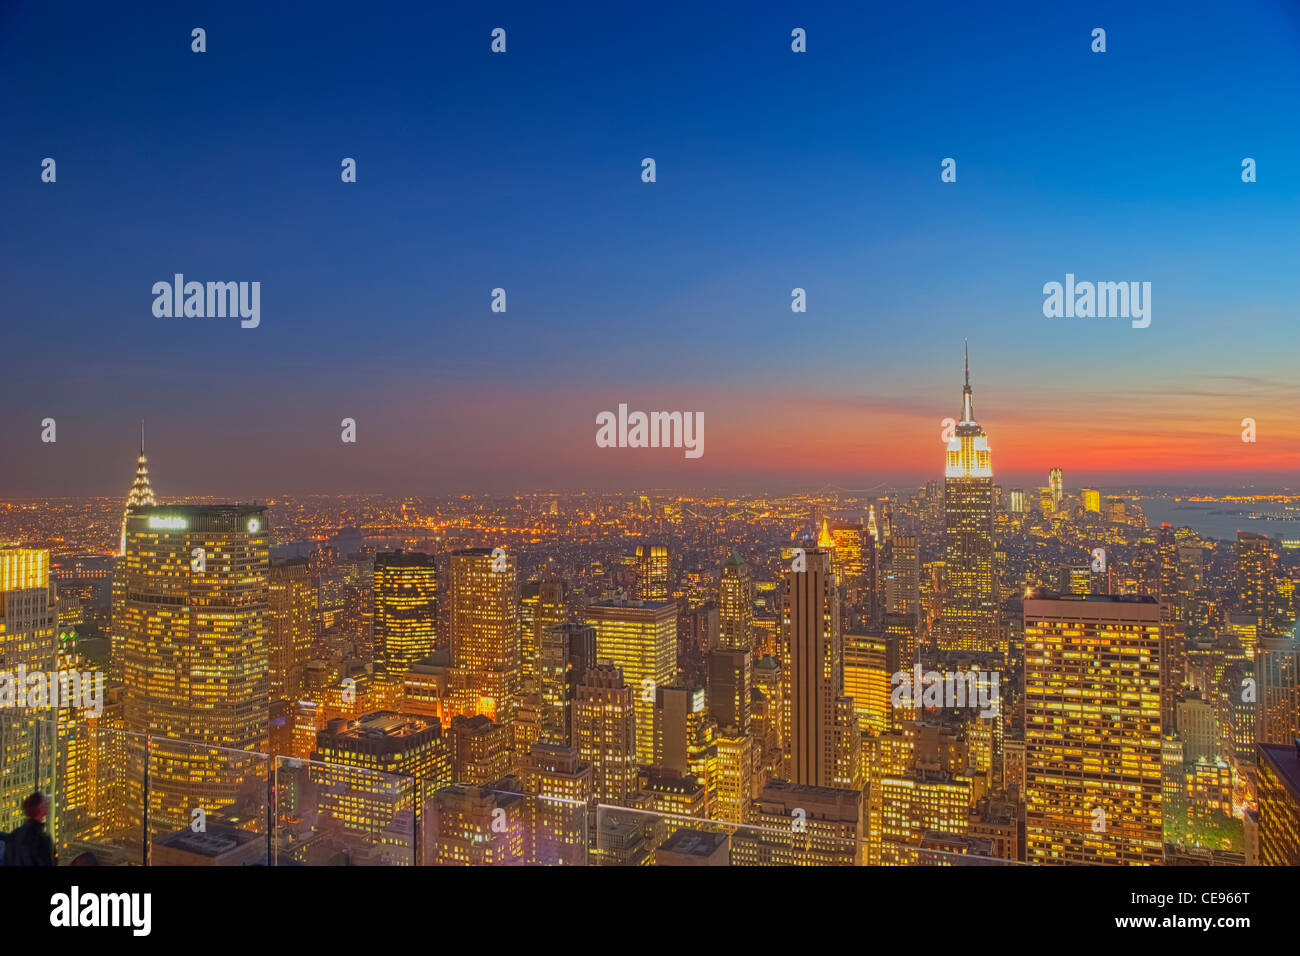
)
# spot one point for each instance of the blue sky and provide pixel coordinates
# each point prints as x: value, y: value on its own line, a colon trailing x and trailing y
x: 775, y: 170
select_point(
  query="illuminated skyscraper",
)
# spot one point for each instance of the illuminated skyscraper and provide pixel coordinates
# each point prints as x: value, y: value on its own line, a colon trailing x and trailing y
x: 292, y: 622
x: 731, y: 679
x: 1093, y: 730
x: 640, y: 638
x: 1167, y: 554
x: 484, y: 620
x: 686, y: 737
x: 852, y: 552
x: 1279, y: 804
x: 736, y: 611
x: 190, y: 628
x: 542, y: 607
x: 969, y: 602
x: 483, y: 750
x: 917, y: 802
x: 812, y: 672
x: 903, y: 581
x: 652, y: 576
x: 1277, y: 706
x: 870, y: 662
x: 28, y: 640
x: 406, y: 610
x: 604, y: 733
x: 385, y: 745
x: 559, y: 784
x: 565, y: 653
x: 1057, y: 485
x: 1256, y: 580
x: 1091, y: 499
x: 736, y: 759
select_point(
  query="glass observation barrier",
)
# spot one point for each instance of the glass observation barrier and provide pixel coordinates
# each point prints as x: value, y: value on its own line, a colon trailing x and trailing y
x: 124, y: 799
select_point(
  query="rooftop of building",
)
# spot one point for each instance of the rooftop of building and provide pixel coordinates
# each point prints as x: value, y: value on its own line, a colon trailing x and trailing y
x: 379, y: 724
x: 212, y: 843
x: 1101, y: 599
x: 690, y: 842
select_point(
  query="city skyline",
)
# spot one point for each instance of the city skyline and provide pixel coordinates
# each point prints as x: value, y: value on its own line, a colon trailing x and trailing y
x: 683, y: 476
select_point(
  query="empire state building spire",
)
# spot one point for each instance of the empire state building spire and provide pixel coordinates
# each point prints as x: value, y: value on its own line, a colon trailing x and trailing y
x: 967, y: 406
x: 141, y: 490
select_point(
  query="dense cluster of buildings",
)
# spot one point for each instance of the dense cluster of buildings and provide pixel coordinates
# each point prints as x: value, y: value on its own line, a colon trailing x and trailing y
x: 965, y: 674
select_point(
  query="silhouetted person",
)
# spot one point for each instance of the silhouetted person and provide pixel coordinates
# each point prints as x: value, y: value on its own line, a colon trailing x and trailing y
x: 30, y: 844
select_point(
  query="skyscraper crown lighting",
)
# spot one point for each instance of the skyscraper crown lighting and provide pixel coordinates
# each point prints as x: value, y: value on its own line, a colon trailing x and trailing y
x: 968, y: 455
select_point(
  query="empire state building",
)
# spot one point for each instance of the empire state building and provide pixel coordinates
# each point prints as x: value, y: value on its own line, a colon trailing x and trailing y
x: 967, y: 621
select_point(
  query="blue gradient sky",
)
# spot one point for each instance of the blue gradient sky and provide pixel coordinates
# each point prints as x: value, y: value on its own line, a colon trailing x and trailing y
x: 775, y: 170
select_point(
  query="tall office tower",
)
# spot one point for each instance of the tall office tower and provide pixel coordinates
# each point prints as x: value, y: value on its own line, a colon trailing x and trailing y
x: 141, y: 493
x: 1019, y: 501
x: 28, y: 640
x: 969, y: 601
x: 1237, y: 732
x: 1279, y: 804
x: 731, y: 679
x: 484, y: 623
x: 330, y: 578
x: 812, y: 671
x: 652, y: 575
x: 1277, y: 704
x: 736, y: 768
x: 541, y: 608
x: 1045, y: 505
x: 852, y: 553
x: 1173, y: 664
x: 830, y: 832
x: 847, y: 744
x: 1256, y: 580
x: 604, y: 732
x: 1114, y: 510
x: 904, y: 629
x: 903, y: 584
x: 483, y: 749
x: 640, y: 638
x: 358, y: 618
x: 1090, y: 498
x: 736, y: 604
x: 292, y: 623
x: 564, y: 653
x: 383, y: 746
x: 1093, y: 730
x: 1198, y: 728
x: 558, y: 784
x: 1057, y: 485
x: 406, y: 610
x: 686, y: 737
x: 190, y: 627
x: 1075, y: 579
x: 1167, y: 568
x: 870, y: 663
x: 1190, y: 607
